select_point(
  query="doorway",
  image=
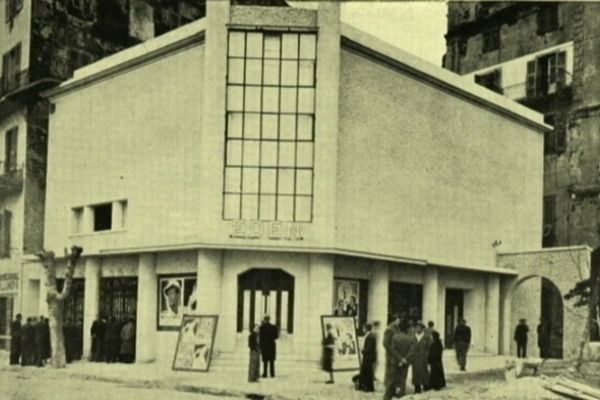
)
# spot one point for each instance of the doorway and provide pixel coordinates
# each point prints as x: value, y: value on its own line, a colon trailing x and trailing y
x: 454, y: 312
x: 552, y: 313
x: 73, y: 317
x: 265, y: 292
x: 6, y: 317
x: 405, y: 300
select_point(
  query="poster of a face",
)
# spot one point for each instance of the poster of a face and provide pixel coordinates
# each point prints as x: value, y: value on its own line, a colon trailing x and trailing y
x: 346, y: 298
x: 195, y: 344
x: 177, y: 296
x: 343, y: 329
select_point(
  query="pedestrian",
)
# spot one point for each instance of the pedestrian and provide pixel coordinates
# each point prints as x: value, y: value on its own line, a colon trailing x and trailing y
x: 28, y: 342
x: 430, y: 328
x: 40, y: 343
x: 462, y: 342
x: 128, y: 341
x: 520, y: 337
x: 389, y: 333
x: 47, y: 353
x: 111, y: 340
x: 398, y: 356
x: 328, y: 352
x: 369, y: 358
x: 268, y: 334
x: 437, y: 380
x: 254, y: 365
x: 77, y: 339
x: 98, y: 332
x: 543, y: 338
x: 419, y: 361
x: 15, y: 340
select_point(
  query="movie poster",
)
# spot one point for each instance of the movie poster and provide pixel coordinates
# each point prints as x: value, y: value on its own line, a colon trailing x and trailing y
x: 195, y: 343
x: 347, y: 354
x: 346, y: 298
x: 176, y: 296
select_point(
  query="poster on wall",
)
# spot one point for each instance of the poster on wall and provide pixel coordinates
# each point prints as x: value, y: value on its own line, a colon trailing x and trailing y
x: 346, y: 298
x: 176, y: 297
x: 347, y: 353
x: 195, y: 343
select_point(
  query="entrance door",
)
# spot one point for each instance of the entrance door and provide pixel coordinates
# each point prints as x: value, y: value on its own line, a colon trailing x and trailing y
x: 265, y: 292
x: 405, y: 300
x: 553, y: 318
x: 118, y: 298
x: 454, y: 312
x: 6, y: 316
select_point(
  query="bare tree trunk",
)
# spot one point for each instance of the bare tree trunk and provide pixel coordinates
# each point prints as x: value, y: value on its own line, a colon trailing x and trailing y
x: 55, y: 302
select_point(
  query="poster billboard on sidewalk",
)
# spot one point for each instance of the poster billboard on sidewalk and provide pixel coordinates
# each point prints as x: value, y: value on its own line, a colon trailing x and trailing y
x: 347, y: 353
x: 195, y: 343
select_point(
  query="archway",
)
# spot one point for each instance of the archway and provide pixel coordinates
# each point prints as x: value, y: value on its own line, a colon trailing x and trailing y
x: 546, y: 322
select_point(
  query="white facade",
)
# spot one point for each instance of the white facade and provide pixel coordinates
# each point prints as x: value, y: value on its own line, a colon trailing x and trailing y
x: 387, y: 208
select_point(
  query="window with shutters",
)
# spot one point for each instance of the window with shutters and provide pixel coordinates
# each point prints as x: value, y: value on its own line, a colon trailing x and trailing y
x: 555, y: 141
x: 546, y: 74
x: 549, y: 221
x: 12, y: 9
x: 491, y: 40
x: 547, y: 18
x: 10, y: 150
x: 11, y: 68
x: 491, y: 80
x: 5, y: 224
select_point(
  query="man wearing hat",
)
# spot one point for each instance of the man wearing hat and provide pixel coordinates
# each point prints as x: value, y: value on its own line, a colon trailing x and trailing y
x: 268, y: 334
x: 420, y: 352
x: 521, y: 332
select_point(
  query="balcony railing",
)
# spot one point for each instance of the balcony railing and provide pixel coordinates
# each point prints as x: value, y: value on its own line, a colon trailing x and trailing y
x: 11, y: 180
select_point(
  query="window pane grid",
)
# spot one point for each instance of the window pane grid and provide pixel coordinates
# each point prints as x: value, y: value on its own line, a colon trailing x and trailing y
x: 269, y: 152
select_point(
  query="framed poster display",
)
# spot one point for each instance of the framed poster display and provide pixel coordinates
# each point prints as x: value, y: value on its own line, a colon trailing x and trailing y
x: 176, y: 296
x: 195, y: 343
x: 347, y: 353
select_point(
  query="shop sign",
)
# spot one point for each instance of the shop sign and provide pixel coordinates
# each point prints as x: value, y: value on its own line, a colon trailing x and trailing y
x: 271, y: 230
x: 9, y: 283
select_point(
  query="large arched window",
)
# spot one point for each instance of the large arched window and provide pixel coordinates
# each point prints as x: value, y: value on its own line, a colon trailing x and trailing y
x: 265, y: 292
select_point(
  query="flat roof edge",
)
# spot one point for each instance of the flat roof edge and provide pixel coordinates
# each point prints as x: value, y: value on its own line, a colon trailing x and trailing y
x: 367, y: 44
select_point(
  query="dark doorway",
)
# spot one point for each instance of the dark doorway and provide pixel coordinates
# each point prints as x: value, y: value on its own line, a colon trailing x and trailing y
x: 553, y: 316
x: 406, y: 300
x: 454, y: 311
x: 73, y: 317
x: 118, y: 299
x: 6, y: 316
x: 265, y: 292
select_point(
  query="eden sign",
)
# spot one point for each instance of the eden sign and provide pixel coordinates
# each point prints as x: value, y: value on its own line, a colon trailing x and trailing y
x: 271, y: 230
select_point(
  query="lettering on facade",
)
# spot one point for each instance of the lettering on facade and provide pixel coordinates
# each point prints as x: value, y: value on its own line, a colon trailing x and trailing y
x: 271, y: 230
x: 9, y: 283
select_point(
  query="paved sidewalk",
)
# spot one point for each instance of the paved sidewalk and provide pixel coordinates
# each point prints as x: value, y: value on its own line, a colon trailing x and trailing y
x: 295, y: 380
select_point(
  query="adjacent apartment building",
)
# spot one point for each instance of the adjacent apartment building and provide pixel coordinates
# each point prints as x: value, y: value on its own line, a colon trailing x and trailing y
x: 41, y: 43
x: 272, y: 160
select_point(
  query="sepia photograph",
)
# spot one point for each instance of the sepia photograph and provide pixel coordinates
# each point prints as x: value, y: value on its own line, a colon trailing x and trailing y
x: 299, y: 199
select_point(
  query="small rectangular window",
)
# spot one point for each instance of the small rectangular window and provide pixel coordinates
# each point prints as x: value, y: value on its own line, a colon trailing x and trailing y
x: 491, y: 80
x: 547, y: 18
x: 102, y: 217
x: 77, y: 220
x: 5, y: 228
x: 549, y: 222
x: 10, y: 150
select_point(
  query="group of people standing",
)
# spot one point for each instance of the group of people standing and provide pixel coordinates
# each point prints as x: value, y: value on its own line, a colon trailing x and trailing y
x: 112, y: 340
x: 30, y: 342
x: 262, y: 345
x: 544, y: 335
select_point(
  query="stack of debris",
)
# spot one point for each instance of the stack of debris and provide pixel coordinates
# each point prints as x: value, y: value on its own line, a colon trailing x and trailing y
x: 573, y: 389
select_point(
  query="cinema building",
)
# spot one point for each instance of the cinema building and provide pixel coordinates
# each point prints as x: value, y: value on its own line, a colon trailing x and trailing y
x: 273, y: 160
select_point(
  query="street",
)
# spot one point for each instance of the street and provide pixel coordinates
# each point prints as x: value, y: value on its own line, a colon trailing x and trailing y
x: 26, y: 385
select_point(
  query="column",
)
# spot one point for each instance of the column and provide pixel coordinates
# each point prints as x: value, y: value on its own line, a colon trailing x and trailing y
x: 320, y: 292
x: 91, y: 302
x: 378, y: 307
x: 505, y: 311
x: 209, y: 288
x: 145, y: 346
x: 43, y: 304
x: 492, y: 314
x: 430, y: 295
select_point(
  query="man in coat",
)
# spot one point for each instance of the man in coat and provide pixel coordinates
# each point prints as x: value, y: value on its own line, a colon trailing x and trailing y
x: 98, y: 332
x: 543, y: 338
x: 369, y: 358
x: 15, y: 340
x: 111, y: 341
x: 520, y: 337
x: 390, y: 331
x: 267, y: 336
x: 462, y: 342
x: 47, y: 345
x: 38, y: 334
x: 421, y: 342
x: 398, y: 356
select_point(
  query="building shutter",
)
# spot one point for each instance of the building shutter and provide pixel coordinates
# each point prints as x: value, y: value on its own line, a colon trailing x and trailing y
x: 6, y: 233
x: 2, y: 238
x: 531, y: 78
x: 10, y: 143
x: 561, y: 72
x: 560, y: 134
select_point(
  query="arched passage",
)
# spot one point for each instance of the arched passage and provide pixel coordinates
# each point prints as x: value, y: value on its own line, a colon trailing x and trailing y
x: 546, y: 322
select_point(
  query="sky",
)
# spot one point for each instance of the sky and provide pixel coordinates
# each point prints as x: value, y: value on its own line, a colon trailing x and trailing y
x: 415, y: 26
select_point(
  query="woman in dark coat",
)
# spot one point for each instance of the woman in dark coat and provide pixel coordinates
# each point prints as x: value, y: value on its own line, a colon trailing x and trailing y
x: 254, y: 365
x: 369, y: 359
x: 437, y: 379
x: 328, y: 349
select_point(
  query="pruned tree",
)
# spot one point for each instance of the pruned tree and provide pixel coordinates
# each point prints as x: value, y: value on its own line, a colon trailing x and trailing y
x: 586, y: 294
x: 55, y: 300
